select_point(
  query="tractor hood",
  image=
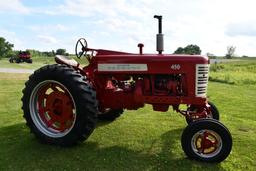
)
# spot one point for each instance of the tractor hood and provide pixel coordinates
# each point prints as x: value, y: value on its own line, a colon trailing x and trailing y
x: 147, y: 63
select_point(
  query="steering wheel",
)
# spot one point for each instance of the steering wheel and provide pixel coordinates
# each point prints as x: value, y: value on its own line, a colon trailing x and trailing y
x: 81, y: 47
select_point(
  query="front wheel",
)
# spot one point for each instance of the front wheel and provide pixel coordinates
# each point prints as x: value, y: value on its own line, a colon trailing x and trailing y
x: 59, y: 105
x: 206, y: 140
x: 29, y: 61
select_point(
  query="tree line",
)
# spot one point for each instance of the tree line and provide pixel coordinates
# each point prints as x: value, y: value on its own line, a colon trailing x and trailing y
x: 195, y: 50
x: 6, y: 50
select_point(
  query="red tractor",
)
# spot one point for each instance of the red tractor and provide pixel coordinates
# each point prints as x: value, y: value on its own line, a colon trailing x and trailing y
x: 62, y: 102
x: 23, y: 56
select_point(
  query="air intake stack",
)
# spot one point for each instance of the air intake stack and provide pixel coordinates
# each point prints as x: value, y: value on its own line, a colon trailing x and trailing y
x: 159, y: 36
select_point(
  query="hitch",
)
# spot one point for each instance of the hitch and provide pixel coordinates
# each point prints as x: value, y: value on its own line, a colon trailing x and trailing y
x: 159, y: 36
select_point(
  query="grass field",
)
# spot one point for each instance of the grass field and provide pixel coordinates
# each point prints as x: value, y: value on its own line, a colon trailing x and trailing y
x: 139, y: 140
x: 37, y: 62
x: 240, y: 73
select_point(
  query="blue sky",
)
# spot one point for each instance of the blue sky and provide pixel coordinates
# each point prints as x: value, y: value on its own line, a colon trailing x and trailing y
x: 121, y: 24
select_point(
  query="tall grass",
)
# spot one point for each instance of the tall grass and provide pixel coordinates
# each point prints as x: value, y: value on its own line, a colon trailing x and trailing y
x: 239, y: 73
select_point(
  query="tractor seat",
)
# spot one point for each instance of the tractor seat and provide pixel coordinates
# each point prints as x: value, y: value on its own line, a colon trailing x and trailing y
x: 61, y: 59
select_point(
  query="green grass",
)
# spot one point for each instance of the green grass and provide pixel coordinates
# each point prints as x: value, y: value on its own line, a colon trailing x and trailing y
x: 240, y: 73
x: 37, y: 63
x: 138, y: 140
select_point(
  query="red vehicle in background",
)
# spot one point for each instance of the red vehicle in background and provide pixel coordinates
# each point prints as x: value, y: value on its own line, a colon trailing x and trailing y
x: 23, y: 56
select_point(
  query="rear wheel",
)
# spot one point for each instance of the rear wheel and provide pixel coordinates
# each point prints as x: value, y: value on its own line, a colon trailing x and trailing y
x: 18, y: 60
x: 11, y: 60
x: 59, y: 105
x: 110, y: 114
x: 206, y: 140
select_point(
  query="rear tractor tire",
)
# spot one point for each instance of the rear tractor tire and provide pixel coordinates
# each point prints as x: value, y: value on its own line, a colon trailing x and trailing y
x: 110, y: 115
x: 59, y: 105
x: 11, y: 60
x: 18, y: 60
x: 206, y: 140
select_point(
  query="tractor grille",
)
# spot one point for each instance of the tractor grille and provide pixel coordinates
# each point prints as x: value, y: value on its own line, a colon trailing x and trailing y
x: 202, y: 71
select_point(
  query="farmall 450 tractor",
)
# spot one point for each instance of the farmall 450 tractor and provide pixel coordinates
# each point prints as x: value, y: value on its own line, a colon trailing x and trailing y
x: 62, y: 102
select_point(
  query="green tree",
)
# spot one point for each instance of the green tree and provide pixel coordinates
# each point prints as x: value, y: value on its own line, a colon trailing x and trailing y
x: 189, y: 49
x: 48, y: 54
x: 61, y: 51
x: 180, y: 50
x: 192, y: 49
x: 230, y: 52
x: 34, y: 52
x: 5, y: 48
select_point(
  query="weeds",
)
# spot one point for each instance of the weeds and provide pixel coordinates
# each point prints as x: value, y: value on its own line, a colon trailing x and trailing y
x: 239, y: 73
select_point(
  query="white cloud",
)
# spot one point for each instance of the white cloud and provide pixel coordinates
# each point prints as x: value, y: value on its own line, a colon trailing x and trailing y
x: 121, y: 24
x: 60, y: 27
x: 48, y: 28
x: 242, y: 29
x: 12, y: 38
x: 199, y: 22
x: 106, y: 8
x: 13, y: 6
x: 47, y: 39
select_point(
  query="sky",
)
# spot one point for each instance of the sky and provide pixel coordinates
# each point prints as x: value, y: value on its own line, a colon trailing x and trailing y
x: 120, y: 25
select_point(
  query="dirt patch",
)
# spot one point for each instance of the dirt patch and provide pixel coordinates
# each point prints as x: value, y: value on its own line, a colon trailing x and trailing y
x: 13, y: 70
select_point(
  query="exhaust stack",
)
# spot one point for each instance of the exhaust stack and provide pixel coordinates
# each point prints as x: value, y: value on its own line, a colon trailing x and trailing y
x: 159, y: 36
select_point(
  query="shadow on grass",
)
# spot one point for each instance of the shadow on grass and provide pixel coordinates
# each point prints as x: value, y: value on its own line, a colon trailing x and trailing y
x: 224, y: 81
x: 21, y: 151
x: 103, y: 123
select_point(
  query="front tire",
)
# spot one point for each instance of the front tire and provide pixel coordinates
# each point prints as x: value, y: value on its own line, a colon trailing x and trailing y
x: 29, y: 61
x: 59, y: 105
x: 206, y: 140
x: 214, y: 113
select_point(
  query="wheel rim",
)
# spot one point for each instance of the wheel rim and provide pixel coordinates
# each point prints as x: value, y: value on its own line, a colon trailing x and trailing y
x: 206, y: 143
x: 52, y: 109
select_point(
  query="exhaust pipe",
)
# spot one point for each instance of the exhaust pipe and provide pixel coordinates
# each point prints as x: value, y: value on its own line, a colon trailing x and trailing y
x: 159, y: 36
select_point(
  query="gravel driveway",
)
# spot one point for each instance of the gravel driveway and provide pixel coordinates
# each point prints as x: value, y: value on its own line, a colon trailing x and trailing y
x: 13, y: 70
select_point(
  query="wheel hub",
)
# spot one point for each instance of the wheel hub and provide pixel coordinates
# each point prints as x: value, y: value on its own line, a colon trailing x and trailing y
x: 206, y: 143
x: 56, y: 110
x: 59, y: 107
